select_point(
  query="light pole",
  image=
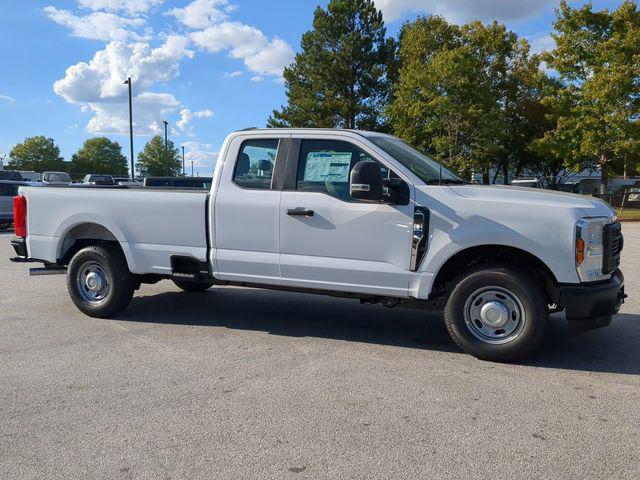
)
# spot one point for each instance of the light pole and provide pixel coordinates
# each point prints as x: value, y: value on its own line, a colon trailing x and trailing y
x: 183, y: 161
x: 128, y: 82
x: 166, y: 148
x: 192, y: 168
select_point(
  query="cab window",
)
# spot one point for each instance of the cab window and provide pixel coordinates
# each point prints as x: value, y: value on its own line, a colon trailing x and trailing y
x: 255, y: 163
x: 325, y: 166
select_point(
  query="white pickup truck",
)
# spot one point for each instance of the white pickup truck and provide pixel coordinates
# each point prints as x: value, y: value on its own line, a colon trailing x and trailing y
x: 338, y: 212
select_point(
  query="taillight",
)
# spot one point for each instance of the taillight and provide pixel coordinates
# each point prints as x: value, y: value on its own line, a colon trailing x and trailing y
x: 20, y: 216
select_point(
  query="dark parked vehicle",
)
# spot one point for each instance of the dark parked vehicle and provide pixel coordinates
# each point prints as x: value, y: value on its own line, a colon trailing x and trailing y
x: 10, y: 175
x: 178, y: 182
x: 98, y: 180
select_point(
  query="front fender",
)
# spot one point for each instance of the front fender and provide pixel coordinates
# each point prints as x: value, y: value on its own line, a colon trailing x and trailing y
x: 549, y: 243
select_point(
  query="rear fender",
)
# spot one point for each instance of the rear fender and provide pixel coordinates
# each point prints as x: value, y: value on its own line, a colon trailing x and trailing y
x: 90, y: 219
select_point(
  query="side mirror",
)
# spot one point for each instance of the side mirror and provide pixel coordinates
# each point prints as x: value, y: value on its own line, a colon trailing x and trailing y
x: 365, y: 182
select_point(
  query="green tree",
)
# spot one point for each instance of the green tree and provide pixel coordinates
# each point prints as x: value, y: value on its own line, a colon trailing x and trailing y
x: 99, y: 155
x: 468, y: 95
x: 38, y: 154
x: 340, y: 78
x: 597, y: 57
x: 152, y: 161
x: 554, y: 146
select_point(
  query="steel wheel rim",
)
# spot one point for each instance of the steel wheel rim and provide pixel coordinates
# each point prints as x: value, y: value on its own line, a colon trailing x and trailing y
x: 494, y: 315
x: 92, y: 282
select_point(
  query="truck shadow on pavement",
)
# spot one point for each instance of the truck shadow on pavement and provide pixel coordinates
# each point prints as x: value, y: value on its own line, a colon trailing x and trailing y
x: 613, y: 349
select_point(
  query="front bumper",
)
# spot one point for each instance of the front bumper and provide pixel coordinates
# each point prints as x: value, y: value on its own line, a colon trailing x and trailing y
x: 595, y: 300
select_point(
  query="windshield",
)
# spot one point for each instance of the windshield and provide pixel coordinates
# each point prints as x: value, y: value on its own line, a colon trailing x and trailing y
x: 423, y: 167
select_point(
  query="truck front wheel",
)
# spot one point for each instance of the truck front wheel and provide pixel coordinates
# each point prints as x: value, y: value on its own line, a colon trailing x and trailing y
x: 496, y: 313
x: 99, y: 281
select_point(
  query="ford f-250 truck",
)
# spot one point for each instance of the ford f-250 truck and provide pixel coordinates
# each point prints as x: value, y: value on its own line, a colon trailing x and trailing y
x: 347, y: 213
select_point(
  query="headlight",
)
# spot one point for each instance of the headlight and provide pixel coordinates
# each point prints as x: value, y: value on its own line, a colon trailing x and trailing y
x: 590, y: 249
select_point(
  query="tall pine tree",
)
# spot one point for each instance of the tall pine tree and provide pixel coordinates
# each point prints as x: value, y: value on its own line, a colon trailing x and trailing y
x: 340, y: 78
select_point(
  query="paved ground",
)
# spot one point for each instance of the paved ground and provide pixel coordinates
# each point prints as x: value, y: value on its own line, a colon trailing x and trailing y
x: 240, y: 383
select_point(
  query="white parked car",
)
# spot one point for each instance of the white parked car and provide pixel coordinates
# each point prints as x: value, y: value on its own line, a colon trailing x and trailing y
x: 348, y: 213
x: 56, y: 178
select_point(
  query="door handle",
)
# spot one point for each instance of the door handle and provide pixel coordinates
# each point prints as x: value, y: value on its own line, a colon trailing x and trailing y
x: 299, y: 212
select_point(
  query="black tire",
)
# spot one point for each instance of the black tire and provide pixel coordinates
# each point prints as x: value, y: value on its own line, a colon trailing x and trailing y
x: 524, y: 303
x: 109, y: 264
x: 192, y: 287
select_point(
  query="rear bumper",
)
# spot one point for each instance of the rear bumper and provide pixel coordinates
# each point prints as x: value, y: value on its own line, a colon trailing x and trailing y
x: 20, y: 247
x: 593, y: 301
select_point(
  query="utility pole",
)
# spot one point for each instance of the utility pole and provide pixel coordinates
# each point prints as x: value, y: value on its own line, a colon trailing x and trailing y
x: 183, y: 161
x: 128, y: 82
x: 166, y: 148
x: 192, y: 168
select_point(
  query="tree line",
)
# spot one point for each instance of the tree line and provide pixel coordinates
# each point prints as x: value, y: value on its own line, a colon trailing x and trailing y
x: 474, y: 96
x: 97, y: 155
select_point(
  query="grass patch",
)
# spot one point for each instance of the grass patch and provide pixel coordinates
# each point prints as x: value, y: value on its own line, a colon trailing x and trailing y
x: 629, y: 213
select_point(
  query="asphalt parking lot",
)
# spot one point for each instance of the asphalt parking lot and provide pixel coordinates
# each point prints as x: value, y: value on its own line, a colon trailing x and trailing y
x: 242, y: 383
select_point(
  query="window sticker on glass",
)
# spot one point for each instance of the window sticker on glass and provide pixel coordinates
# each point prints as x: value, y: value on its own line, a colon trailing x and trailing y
x: 323, y: 166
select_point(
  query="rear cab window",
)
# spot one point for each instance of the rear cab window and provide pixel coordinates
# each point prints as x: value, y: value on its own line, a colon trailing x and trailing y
x: 255, y: 163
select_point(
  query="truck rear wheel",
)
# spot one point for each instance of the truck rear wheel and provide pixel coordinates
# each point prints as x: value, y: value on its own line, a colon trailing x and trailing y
x: 99, y: 281
x: 192, y: 287
x: 496, y: 313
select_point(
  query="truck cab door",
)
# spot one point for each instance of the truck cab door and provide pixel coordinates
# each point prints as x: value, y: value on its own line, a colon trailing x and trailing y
x: 330, y: 241
x: 246, y: 219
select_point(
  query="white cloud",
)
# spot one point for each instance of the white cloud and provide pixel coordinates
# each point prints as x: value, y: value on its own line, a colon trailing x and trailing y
x: 463, y: 11
x: 129, y: 7
x: 97, y: 86
x: 98, y: 25
x: 7, y: 98
x: 237, y: 73
x: 203, y: 155
x: 187, y: 116
x: 150, y: 109
x: 203, y: 114
x: 541, y: 43
x: 201, y: 13
x: 101, y: 79
x: 261, y: 56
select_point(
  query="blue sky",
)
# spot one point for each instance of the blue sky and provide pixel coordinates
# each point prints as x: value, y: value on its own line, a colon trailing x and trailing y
x: 206, y: 66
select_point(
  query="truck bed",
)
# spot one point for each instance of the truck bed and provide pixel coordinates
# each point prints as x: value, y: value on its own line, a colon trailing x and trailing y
x: 150, y: 224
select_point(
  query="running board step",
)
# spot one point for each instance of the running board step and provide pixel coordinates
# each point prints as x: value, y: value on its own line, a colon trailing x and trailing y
x: 36, y: 272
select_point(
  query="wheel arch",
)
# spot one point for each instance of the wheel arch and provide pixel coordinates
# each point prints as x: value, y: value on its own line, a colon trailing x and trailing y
x: 470, y: 257
x: 78, y: 233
